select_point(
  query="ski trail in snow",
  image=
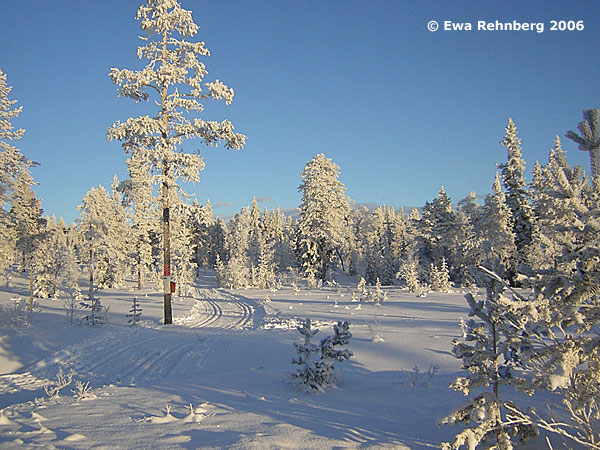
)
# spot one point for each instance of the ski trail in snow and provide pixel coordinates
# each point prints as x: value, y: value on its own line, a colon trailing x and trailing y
x: 219, y: 309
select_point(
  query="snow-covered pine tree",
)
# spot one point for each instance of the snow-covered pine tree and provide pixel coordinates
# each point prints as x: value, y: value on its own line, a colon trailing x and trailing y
x: 315, y: 375
x: 465, y: 247
x: 118, y: 222
x: 11, y: 164
x: 138, y: 195
x: 322, y: 227
x: 105, y: 247
x: 174, y: 74
x: 202, y: 223
x: 359, y: 223
x: 439, y: 277
x: 265, y: 270
x: 409, y: 271
x: 487, y: 349
x: 332, y: 352
x: 517, y: 198
x: 564, y: 345
x: 306, y: 375
x: 495, y: 232
x: 8, y: 248
x: 11, y: 159
x: 589, y: 140
x: 26, y: 212
x: 559, y: 193
x: 255, y: 235
x: 436, y: 224
x: 383, y: 246
x: 56, y: 268
x: 182, y: 251
x: 278, y: 233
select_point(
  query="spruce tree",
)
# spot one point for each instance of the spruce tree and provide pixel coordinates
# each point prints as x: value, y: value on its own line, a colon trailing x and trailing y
x: 174, y: 75
x: 436, y: 225
x: 517, y: 198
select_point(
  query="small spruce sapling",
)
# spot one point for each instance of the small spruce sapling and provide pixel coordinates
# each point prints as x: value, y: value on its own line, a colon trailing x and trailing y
x: 97, y: 313
x: 71, y: 304
x: 135, y: 312
x: 306, y: 374
x: 331, y: 352
x: 315, y: 375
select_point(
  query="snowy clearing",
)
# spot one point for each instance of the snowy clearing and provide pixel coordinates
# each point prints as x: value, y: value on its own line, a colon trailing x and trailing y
x: 217, y: 379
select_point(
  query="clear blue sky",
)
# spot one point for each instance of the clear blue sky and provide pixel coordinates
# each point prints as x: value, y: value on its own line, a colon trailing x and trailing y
x: 400, y: 109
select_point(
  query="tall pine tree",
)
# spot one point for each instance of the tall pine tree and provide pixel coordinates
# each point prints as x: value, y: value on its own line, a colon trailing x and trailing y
x: 174, y: 75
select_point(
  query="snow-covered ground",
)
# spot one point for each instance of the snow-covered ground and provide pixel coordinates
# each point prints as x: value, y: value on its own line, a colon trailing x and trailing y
x: 217, y: 378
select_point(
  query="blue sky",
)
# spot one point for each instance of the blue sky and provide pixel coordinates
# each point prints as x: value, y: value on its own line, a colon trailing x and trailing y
x: 400, y: 109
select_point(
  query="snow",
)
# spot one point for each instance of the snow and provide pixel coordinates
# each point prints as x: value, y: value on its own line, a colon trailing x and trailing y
x: 219, y: 377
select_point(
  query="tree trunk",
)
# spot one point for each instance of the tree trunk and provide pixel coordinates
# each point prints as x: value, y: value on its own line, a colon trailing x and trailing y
x: 168, y: 313
x: 139, y: 272
x: 91, y: 273
x: 31, y: 286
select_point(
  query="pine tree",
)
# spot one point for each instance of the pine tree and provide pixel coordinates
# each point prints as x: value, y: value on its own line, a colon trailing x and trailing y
x: 183, y: 261
x: 12, y: 162
x: 495, y: 232
x: 517, y: 198
x: 11, y: 159
x: 138, y: 195
x: 359, y: 225
x: 306, y: 374
x: 26, y: 211
x: 56, y: 267
x: 331, y: 352
x: 315, y: 375
x: 174, y: 74
x: 561, y: 331
x: 439, y: 277
x: 589, y: 140
x: 103, y: 225
x: 435, y: 227
x: 202, y: 223
x: 487, y: 350
x: 322, y: 227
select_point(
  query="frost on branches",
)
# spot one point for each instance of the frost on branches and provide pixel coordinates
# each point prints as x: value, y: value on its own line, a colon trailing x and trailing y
x: 489, y: 350
x: 322, y: 228
x: 174, y: 77
x: 11, y: 159
x: 315, y: 375
x: 517, y: 198
x: 589, y: 140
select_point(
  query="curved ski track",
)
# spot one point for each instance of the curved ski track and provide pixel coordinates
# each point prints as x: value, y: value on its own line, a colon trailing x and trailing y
x: 136, y: 355
x: 218, y: 309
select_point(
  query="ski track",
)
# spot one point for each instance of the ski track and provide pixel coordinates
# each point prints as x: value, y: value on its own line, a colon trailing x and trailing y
x: 219, y: 309
x: 126, y: 351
